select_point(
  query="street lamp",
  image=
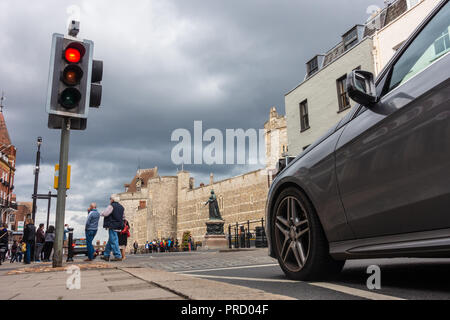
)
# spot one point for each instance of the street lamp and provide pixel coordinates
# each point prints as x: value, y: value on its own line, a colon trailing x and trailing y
x: 36, y: 177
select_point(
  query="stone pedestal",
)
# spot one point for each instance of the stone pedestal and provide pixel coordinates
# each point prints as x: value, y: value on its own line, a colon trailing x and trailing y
x: 215, y: 237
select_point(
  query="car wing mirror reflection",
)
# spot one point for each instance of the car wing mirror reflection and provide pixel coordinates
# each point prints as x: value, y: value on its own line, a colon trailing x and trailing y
x: 361, y: 87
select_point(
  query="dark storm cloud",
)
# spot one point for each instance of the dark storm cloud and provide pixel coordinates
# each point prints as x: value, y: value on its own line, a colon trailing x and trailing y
x: 167, y: 63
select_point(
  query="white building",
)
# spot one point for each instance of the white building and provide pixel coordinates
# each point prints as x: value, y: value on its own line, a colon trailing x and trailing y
x: 321, y: 100
x: 389, y: 38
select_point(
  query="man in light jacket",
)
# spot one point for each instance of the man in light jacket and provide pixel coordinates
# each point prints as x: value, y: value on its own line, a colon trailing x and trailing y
x: 113, y: 221
x: 91, y: 229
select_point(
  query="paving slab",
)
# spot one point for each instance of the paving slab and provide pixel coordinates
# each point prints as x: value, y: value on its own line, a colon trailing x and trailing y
x: 201, y: 289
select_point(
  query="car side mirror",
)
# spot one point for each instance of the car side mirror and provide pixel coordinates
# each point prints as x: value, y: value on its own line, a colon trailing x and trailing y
x: 361, y: 87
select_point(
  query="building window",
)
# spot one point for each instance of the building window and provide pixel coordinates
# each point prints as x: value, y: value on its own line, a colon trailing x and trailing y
x: 221, y: 203
x: 304, y: 118
x: 412, y: 3
x: 350, y: 38
x: 344, y: 102
x: 442, y: 44
x: 313, y: 66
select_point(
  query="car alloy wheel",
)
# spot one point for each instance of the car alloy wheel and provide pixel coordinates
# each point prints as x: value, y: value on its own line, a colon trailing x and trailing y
x: 298, y: 238
x: 292, y: 234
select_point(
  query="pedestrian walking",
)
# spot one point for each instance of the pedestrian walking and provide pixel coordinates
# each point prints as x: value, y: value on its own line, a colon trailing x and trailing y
x: 147, y: 247
x: 14, y: 252
x: 23, y: 250
x: 3, y: 242
x: 123, y: 238
x: 48, y: 244
x: 65, y: 241
x: 91, y: 229
x: 113, y: 221
x: 29, y: 235
x: 135, y: 246
x: 40, y: 240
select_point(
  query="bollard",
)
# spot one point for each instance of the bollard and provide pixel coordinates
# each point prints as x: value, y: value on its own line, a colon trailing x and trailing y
x: 229, y: 236
x: 242, y: 237
x: 236, y: 239
x: 70, y: 246
x: 248, y: 234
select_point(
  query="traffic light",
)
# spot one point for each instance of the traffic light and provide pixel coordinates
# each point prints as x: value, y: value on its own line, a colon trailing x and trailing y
x: 96, y: 88
x: 74, y: 81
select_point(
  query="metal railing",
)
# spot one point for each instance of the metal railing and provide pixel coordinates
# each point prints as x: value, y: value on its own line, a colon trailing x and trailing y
x: 241, y: 235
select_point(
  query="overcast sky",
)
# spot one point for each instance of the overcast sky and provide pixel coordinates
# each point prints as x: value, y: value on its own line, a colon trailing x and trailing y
x: 166, y: 64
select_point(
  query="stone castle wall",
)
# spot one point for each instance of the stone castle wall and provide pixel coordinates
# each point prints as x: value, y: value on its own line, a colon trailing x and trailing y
x: 162, y: 207
x: 136, y: 217
x: 162, y: 211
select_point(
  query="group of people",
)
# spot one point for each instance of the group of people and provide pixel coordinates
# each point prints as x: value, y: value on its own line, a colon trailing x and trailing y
x: 35, y: 244
x: 118, y: 230
x: 158, y: 245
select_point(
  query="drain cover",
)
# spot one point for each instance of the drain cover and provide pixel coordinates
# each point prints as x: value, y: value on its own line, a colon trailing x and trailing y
x: 130, y: 287
x: 120, y: 278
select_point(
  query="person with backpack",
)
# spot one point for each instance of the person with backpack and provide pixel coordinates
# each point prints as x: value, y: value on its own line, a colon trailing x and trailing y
x: 40, y: 240
x: 48, y: 244
x: 113, y: 221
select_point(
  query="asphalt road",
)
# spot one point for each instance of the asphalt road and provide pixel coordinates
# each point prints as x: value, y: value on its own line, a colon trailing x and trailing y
x: 400, y: 278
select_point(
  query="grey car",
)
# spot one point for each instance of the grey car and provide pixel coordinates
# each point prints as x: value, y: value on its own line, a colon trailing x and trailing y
x: 377, y: 184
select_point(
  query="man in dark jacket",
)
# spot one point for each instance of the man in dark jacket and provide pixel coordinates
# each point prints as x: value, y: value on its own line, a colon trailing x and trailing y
x: 40, y: 239
x: 29, y: 234
x: 3, y: 242
x: 113, y: 221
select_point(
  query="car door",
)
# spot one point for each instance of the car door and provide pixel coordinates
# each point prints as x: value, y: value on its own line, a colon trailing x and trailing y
x: 393, y: 159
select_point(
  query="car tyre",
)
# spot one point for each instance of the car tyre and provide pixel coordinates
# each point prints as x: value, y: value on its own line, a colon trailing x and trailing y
x: 298, y: 239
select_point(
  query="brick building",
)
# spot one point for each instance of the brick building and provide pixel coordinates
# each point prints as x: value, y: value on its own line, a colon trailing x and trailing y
x: 8, y: 204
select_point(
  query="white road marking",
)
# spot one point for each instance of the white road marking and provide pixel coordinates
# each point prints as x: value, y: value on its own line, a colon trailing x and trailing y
x: 242, y: 278
x: 335, y: 287
x: 354, y: 292
x: 230, y: 268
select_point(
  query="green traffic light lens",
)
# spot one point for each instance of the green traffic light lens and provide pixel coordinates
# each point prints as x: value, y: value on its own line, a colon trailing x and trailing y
x: 70, y: 98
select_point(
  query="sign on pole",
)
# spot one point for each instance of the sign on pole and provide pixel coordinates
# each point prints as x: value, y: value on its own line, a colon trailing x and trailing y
x: 56, y: 178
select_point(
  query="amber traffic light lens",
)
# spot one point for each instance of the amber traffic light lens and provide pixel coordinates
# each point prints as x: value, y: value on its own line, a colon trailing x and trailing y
x: 72, y: 55
x: 72, y: 75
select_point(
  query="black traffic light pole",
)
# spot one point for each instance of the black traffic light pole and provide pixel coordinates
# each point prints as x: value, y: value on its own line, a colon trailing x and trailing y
x: 68, y: 105
x: 36, y: 178
x: 61, y: 198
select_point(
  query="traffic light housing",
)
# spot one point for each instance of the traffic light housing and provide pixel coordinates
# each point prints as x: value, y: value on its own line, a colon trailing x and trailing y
x: 74, y: 81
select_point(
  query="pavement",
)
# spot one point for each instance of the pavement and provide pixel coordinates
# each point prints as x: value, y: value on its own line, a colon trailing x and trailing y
x: 229, y: 275
x: 114, y: 281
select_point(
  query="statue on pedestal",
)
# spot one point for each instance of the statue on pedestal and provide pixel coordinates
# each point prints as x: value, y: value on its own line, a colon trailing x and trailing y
x: 214, y: 212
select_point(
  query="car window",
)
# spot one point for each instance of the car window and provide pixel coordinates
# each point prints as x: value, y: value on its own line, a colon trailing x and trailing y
x: 432, y: 43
